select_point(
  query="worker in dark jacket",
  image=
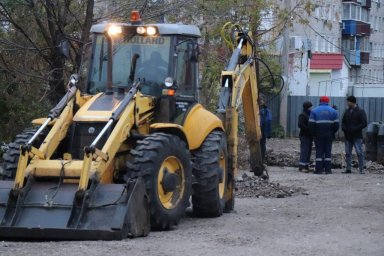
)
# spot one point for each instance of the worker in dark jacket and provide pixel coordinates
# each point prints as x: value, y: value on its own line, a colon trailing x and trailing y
x: 354, y: 121
x: 323, y: 123
x: 306, y: 138
x: 265, y: 125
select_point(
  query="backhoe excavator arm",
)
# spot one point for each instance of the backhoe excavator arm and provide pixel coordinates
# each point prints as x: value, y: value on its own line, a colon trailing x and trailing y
x: 239, y: 87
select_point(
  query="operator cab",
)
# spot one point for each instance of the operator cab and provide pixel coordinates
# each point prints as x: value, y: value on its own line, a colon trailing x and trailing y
x: 163, y: 57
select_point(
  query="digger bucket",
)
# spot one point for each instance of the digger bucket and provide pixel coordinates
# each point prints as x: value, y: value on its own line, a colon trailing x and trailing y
x: 52, y: 211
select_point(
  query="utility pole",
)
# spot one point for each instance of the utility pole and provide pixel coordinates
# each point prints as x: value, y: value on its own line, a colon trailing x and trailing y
x: 284, y: 58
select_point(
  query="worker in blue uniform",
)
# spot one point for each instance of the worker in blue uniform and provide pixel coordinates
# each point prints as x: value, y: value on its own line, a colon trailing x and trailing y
x: 265, y: 125
x: 323, y: 123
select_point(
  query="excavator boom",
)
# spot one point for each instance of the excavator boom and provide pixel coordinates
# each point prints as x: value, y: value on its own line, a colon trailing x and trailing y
x: 239, y: 88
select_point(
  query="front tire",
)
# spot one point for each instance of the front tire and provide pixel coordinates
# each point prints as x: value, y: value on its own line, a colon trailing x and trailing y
x: 11, y: 157
x: 162, y: 160
x: 210, y: 169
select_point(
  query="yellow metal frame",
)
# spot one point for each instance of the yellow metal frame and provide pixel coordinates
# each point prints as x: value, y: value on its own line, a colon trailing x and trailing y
x: 37, y: 161
x: 47, y: 148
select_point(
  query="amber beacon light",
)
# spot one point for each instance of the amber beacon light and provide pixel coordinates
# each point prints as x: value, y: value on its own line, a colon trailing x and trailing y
x: 135, y: 17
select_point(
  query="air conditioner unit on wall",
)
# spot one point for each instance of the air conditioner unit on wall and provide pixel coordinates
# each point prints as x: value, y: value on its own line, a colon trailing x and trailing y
x: 295, y: 43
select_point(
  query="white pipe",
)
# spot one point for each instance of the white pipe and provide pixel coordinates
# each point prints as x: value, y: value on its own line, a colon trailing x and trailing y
x: 49, y: 119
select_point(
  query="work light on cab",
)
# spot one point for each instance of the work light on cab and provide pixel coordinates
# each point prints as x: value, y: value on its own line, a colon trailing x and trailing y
x: 151, y: 31
x: 141, y: 30
x: 114, y: 30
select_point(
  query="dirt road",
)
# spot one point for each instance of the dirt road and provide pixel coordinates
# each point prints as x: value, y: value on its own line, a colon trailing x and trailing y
x: 335, y: 215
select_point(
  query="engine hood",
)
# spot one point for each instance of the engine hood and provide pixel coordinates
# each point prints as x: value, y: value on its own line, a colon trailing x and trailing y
x: 99, y: 108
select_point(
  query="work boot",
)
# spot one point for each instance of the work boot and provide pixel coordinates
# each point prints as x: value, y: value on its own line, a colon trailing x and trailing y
x: 347, y: 171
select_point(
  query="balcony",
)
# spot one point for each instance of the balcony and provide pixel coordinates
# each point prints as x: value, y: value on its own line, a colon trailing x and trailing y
x: 353, y: 27
x: 366, y: 3
x: 352, y: 1
x: 364, y: 57
x: 353, y: 57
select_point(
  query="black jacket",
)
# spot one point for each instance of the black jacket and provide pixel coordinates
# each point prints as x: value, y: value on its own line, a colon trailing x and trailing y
x: 303, y: 125
x: 353, y: 123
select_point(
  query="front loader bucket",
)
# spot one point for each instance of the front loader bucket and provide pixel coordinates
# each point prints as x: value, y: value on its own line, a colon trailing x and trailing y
x: 53, y: 211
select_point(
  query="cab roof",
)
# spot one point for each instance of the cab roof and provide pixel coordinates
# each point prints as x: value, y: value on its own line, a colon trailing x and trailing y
x: 163, y: 28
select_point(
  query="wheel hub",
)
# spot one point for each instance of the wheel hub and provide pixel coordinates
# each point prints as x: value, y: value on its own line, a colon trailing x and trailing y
x: 169, y: 181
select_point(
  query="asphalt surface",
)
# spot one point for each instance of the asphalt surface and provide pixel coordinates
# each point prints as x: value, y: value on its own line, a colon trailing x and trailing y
x: 334, y: 214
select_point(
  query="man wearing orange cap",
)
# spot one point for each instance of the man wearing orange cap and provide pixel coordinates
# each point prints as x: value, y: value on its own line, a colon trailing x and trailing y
x: 323, y: 123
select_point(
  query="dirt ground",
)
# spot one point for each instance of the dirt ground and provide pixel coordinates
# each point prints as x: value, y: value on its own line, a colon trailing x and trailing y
x: 334, y: 214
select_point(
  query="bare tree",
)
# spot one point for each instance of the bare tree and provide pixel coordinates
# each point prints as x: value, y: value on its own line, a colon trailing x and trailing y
x: 39, y: 28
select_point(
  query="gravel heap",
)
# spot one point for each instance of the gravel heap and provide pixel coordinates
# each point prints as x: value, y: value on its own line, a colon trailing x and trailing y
x: 373, y: 167
x: 253, y: 186
x: 291, y: 159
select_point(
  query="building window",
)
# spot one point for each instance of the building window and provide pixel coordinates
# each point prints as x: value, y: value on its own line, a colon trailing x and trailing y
x: 346, y: 11
x: 382, y: 51
x: 364, y: 44
x: 349, y: 44
x: 352, y: 11
x: 335, y: 11
x: 322, y: 44
x: 316, y: 44
x: 352, y: 44
x: 365, y: 15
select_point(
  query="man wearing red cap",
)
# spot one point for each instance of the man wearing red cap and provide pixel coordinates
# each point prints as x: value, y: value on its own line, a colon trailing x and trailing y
x: 323, y: 123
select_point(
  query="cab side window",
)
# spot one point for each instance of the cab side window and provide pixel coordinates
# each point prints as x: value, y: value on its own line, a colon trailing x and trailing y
x: 186, y: 67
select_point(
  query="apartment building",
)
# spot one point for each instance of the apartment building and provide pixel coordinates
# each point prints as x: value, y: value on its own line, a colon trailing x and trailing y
x: 315, y: 61
x: 337, y: 49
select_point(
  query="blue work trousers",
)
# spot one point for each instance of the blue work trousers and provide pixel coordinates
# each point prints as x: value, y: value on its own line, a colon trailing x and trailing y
x: 323, y: 154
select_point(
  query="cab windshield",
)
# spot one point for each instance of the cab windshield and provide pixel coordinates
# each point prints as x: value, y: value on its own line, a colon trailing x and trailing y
x: 152, y: 56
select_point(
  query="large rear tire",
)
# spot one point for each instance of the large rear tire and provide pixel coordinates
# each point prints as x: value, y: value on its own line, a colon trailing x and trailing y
x: 210, y: 169
x: 163, y: 161
x: 11, y: 157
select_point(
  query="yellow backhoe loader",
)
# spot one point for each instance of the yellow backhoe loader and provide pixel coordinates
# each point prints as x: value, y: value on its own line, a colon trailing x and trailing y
x: 125, y: 153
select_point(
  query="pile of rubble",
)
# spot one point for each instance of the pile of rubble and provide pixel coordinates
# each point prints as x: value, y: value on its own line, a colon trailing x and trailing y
x: 291, y: 158
x: 253, y: 186
x: 373, y: 167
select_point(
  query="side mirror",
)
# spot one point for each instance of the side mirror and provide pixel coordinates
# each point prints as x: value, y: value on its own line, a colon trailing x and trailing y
x: 193, y: 52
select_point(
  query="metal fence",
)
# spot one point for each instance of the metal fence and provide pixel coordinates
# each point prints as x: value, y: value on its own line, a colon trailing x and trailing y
x: 374, y: 107
x: 273, y: 104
